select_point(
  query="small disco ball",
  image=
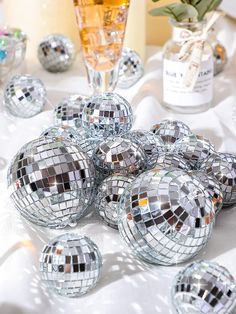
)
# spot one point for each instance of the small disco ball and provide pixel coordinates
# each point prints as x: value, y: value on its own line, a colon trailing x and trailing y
x: 7, y: 55
x: 171, y: 131
x: 89, y: 145
x: 69, y: 111
x: 171, y: 160
x: 219, y: 56
x: 165, y: 217
x: 107, y: 114
x: 151, y: 144
x: 56, y: 53
x: 213, y: 187
x: 119, y: 155
x: 20, y: 42
x: 51, y: 182
x: 108, y: 198
x: 195, y: 149
x: 223, y: 167
x: 130, y: 68
x: 24, y: 96
x: 204, y: 287
x: 63, y: 133
x: 70, y: 265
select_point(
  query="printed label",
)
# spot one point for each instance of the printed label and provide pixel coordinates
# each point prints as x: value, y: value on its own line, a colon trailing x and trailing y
x: 174, y: 93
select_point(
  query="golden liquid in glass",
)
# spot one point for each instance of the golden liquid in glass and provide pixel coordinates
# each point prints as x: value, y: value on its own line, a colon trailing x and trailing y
x: 102, y: 29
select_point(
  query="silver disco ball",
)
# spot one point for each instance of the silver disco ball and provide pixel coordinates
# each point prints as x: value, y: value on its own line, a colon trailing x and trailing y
x: 130, y: 68
x: 118, y: 155
x: 195, y: 149
x: 8, y: 50
x: 70, y: 265
x: 171, y: 160
x: 152, y: 145
x: 171, y: 131
x: 107, y: 114
x: 204, y: 287
x: 63, y: 133
x: 24, y: 96
x: 56, y: 53
x: 219, y: 56
x: 223, y: 168
x: 108, y: 198
x: 165, y: 217
x: 69, y: 111
x: 51, y: 182
x: 213, y: 187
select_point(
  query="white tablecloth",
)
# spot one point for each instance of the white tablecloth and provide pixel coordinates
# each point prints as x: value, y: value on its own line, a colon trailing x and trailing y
x: 127, y: 285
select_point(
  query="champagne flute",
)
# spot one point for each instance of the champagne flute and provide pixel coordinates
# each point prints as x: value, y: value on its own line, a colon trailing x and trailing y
x: 102, y: 28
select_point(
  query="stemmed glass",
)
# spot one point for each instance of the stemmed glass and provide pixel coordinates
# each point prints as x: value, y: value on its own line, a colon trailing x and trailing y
x: 102, y: 28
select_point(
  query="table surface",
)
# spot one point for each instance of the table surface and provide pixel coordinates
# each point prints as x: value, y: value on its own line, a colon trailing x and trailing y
x: 127, y: 285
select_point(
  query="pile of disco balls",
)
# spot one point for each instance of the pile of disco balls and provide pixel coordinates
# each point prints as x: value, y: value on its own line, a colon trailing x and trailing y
x: 161, y: 188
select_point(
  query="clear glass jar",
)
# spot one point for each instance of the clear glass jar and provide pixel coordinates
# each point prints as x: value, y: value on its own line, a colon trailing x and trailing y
x: 177, y: 97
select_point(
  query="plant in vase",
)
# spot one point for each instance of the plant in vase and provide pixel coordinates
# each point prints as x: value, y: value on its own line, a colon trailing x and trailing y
x: 188, y: 57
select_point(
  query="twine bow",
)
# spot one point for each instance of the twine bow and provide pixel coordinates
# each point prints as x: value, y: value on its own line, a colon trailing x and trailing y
x: 192, y: 51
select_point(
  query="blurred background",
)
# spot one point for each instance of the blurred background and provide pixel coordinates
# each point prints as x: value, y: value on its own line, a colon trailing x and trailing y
x: 39, y: 18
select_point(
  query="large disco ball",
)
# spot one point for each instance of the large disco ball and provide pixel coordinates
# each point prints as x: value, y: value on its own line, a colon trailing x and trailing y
x: 51, y: 182
x: 70, y: 265
x: 119, y: 155
x: 24, y: 96
x: 171, y: 131
x: 151, y: 144
x: 56, y: 53
x: 223, y: 168
x: 171, y: 160
x: 165, y: 217
x: 108, y: 197
x: 130, y: 68
x: 195, y: 149
x: 63, y: 133
x: 204, y: 287
x: 213, y: 187
x: 69, y: 111
x: 107, y: 114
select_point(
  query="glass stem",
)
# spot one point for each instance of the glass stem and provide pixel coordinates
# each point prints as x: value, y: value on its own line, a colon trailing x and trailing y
x: 102, y: 81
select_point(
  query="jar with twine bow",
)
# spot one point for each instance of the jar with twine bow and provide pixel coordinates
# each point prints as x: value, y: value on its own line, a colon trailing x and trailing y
x: 188, y: 67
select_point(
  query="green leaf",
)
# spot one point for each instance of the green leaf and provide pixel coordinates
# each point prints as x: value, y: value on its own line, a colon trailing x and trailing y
x: 177, y: 11
x: 156, y: 0
x: 205, y: 6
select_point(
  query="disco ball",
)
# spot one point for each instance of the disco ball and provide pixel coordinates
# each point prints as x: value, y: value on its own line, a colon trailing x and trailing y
x: 171, y: 131
x: 195, y: 149
x: 151, y: 144
x: 130, y: 68
x: 108, y: 197
x: 219, y: 56
x: 24, y: 96
x: 70, y: 265
x: 213, y: 187
x: 204, y: 287
x: 63, y: 133
x: 7, y: 55
x: 107, y: 114
x: 171, y: 160
x: 118, y: 155
x: 56, y: 53
x: 69, y: 111
x: 18, y: 39
x: 223, y: 168
x: 165, y: 217
x: 52, y: 182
